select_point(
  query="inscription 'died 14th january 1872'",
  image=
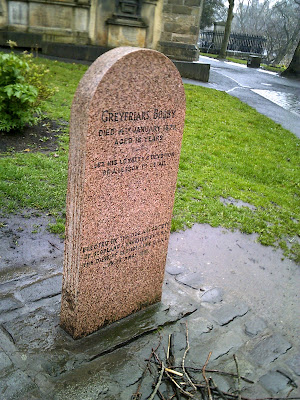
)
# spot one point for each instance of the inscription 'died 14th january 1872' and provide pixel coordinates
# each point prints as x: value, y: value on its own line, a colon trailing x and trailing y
x: 125, y: 137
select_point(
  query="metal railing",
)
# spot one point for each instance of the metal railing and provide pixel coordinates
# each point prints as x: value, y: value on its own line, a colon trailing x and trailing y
x: 210, y: 41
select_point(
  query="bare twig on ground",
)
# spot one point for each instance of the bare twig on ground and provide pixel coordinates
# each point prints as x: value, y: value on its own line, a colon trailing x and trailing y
x: 183, y: 385
x: 217, y: 389
x: 216, y: 371
x: 183, y: 358
x: 158, y: 382
x: 205, y: 378
x: 188, y: 394
x: 238, y: 376
x: 137, y: 395
x: 291, y: 382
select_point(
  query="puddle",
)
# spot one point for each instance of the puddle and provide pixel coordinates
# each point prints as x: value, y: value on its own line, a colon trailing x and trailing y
x: 288, y: 101
x: 237, y: 203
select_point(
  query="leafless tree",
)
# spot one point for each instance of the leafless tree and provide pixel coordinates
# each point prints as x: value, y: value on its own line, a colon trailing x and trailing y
x: 211, y: 12
x: 279, y: 23
x: 293, y: 69
x: 225, y: 40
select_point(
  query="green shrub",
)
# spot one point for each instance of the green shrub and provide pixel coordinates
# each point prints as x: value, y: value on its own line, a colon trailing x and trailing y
x: 22, y: 88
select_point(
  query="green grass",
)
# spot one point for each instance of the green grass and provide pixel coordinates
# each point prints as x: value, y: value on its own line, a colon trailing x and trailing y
x: 209, y: 55
x: 34, y: 180
x: 273, y: 69
x: 242, y: 155
x: 66, y: 78
x: 237, y: 60
x: 228, y: 150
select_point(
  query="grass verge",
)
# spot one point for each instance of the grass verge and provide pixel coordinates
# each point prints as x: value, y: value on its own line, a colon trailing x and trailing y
x: 242, y: 155
x: 229, y: 153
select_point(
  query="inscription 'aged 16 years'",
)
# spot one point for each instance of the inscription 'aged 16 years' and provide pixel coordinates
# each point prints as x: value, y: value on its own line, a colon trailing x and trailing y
x: 125, y: 141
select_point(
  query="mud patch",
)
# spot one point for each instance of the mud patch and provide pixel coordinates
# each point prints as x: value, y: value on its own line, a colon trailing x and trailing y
x: 42, y: 137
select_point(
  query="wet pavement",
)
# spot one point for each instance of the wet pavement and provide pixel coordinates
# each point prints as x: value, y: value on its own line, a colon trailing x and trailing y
x: 269, y: 93
x: 234, y: 295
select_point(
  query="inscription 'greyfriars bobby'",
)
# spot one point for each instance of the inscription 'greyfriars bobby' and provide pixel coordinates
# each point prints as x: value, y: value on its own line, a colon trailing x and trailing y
x: 125, y: 137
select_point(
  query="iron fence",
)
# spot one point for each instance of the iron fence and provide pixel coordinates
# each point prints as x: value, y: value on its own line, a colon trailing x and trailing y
x: 211, y: 41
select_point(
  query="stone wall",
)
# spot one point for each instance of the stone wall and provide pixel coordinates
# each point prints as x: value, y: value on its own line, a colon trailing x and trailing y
x: 64, y: 22
x: 3, y: 13
x: 116, y: 28
x: 180, y: 28
x: 170, y: 26
x: 152, y: 15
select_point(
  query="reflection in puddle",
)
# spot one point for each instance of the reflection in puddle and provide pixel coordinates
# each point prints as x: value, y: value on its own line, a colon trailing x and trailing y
x: 288, y: 101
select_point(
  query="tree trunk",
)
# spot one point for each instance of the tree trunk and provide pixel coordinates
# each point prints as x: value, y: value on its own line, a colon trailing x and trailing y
x: 293, y: 70
x: 225, y: 40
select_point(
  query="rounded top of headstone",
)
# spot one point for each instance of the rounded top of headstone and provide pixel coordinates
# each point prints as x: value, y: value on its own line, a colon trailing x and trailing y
x: 140, y: 69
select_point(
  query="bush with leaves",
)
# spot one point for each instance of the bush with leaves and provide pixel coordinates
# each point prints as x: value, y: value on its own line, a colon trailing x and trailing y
x: 22, y: 88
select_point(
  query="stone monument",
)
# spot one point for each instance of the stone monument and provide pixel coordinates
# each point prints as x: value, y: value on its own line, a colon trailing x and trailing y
x: 126, y: 128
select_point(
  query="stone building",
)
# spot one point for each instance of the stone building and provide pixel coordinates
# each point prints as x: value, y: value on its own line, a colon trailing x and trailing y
x: 87, y: 27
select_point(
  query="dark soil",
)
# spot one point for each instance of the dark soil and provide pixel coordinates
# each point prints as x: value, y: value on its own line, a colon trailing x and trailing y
x: 42, y: 137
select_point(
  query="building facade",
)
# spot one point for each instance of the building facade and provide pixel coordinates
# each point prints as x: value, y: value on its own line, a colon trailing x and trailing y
x: 170, y: 26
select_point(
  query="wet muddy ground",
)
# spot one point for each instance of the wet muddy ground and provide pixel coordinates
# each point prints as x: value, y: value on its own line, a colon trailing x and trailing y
x: 236, y: 297
x: 42, y: 137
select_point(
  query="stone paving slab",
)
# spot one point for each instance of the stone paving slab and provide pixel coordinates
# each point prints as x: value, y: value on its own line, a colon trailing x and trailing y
x: 254, y: 326
x: 193, y: 280
x: 274, y: 382
x: 40, y: 290
x: 214, y: 295
x: 228, y: 312
x: 269, y: 349
x: 294, y: 364
x: 110, y: 362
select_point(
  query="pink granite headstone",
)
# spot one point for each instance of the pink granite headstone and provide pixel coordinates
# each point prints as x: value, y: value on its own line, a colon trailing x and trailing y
x: 125, y: 136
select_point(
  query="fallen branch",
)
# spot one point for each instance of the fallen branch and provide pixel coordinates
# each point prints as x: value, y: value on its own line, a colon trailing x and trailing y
x: 235, y: 396
x: 185, y: 353
x: 216, y: 371
x: 158, y: 382
x: 188, y: 394
x: 204, y: 376
x: 291, y: 382
x: 171, y: 371
x: 184, y: 383
x: 238, y: 377
x: 137, y: 395
x: 215, y: 387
